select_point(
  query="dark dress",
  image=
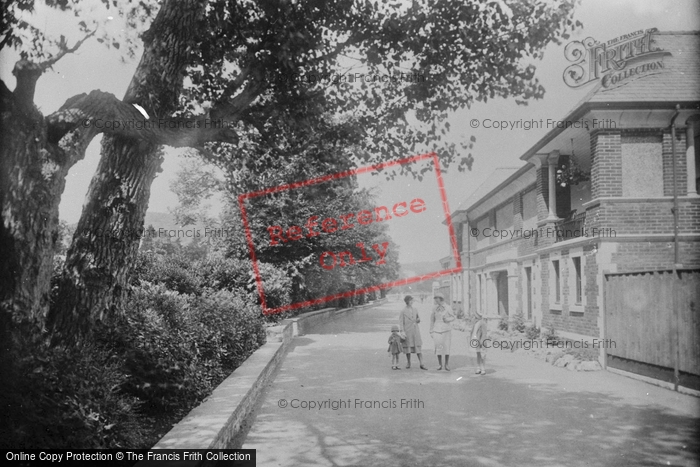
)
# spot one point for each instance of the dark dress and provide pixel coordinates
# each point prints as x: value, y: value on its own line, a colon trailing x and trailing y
x: 395, y: 346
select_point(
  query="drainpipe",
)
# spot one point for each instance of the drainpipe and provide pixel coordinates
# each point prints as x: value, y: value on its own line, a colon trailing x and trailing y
x: 676, y: 341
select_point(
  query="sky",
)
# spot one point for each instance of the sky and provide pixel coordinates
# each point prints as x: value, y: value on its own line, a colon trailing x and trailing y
x: 424, y: 238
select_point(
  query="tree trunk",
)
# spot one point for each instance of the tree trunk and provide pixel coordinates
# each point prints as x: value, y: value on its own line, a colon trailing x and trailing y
x: 107, y: 237
x: 32, y: 178
x: 34, y: 161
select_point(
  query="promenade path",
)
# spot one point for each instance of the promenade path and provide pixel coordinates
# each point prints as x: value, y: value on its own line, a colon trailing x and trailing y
x: 523, y: 412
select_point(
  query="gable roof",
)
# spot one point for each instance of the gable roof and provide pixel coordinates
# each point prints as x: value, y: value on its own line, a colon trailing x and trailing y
x: 677, y: 82
x: 497, y: 177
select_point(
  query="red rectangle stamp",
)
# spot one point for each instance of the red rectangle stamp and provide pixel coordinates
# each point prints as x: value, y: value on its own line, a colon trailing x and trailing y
x: 329, y: 238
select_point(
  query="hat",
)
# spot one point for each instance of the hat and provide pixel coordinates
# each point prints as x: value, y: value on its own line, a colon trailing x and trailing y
x: 394, y: 328
x: 407, y: 299
x: 438, y: 295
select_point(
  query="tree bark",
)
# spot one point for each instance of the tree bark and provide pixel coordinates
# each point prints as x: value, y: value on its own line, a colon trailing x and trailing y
x: 31, y: 180
x: 33, y: 168
x: 107, y: 237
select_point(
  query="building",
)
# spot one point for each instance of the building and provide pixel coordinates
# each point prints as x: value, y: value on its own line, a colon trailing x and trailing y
x: 581, y: 238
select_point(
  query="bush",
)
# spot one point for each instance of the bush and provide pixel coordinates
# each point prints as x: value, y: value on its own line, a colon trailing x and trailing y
x: 503, y: 323
x: 551, y: 334
x: 61, y: 397
x: 175, y: 341
x: 585, y: 355
x: 175, y: 272
x: 178, y: 348
x: 532, y: 332
x: 518, y: 323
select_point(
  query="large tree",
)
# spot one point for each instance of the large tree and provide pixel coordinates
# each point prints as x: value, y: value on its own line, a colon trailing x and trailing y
x: 391, y: 72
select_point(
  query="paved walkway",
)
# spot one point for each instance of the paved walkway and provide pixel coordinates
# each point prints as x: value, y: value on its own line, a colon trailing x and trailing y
x: 523, y: 412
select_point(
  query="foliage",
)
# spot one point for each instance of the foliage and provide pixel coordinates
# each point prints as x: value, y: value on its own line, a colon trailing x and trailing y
x: 570, y: 173
x: 178, y: 348
x: 183, y: 329
x: 518, y: 323
x: 551, y: 334
x: 584, y: 354
x: 173, y: 271
x: 532, y: 332
x: 282, y: 79
x: 58, y: 397
x: 307, y: 279
x: 503, y: 323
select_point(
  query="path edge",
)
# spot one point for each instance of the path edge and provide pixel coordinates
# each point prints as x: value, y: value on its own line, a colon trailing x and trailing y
x: 219, y: 418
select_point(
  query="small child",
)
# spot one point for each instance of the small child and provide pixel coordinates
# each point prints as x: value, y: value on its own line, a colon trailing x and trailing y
x: 395, y: 347
x: 476, y: 341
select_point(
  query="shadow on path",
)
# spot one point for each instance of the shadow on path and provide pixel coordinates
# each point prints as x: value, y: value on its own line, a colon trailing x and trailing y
x: 524, y: 412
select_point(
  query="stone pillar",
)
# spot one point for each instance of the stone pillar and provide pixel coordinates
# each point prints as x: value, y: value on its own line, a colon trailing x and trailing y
x: 546, y: 165
x: 514, y: 304
x: 490, y: 306
x: 690, y: 155
x: 550, y: 162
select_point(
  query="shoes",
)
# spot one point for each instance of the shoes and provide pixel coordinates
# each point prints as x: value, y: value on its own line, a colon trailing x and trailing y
x: 408, y: 366
x: 478, y: 371
x: 440, y: 368
x: 446, y: 369
x: 423, y: 368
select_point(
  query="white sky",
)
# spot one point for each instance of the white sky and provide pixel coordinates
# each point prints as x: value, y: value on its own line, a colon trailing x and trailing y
x: 93, y: 67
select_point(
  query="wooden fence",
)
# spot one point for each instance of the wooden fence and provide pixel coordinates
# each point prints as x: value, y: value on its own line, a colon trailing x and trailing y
x: 640, y: 318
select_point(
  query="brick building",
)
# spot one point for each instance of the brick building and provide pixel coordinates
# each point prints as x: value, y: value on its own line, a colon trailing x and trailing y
x: 594, y: 201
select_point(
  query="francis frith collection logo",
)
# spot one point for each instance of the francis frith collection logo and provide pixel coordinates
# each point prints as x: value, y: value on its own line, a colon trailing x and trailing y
x: 615, y: 62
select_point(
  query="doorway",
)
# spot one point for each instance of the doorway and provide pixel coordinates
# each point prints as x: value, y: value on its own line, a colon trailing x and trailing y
x: 502, y: 292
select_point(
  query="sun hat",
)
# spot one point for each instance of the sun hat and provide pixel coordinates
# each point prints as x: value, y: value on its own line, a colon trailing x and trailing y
x: 439, y: 295
x: 394, y: 328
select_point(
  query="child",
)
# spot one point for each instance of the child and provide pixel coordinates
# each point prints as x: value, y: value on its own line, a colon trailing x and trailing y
x: 476, y: 341
x: 395, y: 347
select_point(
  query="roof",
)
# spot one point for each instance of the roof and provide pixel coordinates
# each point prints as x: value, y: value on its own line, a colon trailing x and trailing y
x: 678, y: 81
x: 676, y: 84
x: 497, y: 177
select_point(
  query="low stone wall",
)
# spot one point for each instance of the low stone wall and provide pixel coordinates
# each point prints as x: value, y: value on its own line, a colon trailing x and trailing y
x: 305, y: 322
x: 217, y: 420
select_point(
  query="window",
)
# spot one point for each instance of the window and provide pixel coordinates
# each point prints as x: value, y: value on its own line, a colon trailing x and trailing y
x: 557, y: 282
x: 576, y: 282
x: 578, y: 294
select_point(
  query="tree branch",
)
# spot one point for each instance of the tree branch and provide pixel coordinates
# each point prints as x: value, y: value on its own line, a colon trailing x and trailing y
x: 104, y: 113
x: 28, y: 73
x: 45, y: 65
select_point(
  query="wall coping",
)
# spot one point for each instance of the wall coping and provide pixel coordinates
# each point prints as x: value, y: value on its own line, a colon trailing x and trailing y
x: 619, y: 199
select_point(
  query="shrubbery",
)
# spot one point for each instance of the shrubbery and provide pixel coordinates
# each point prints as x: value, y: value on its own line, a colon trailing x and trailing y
x: 518, y: 324
x: 532, y: 332
x: 184, y: 327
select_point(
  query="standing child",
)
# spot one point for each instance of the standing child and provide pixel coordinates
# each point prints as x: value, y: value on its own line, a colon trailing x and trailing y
x: 477, y: 340
x: 395, y: 347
